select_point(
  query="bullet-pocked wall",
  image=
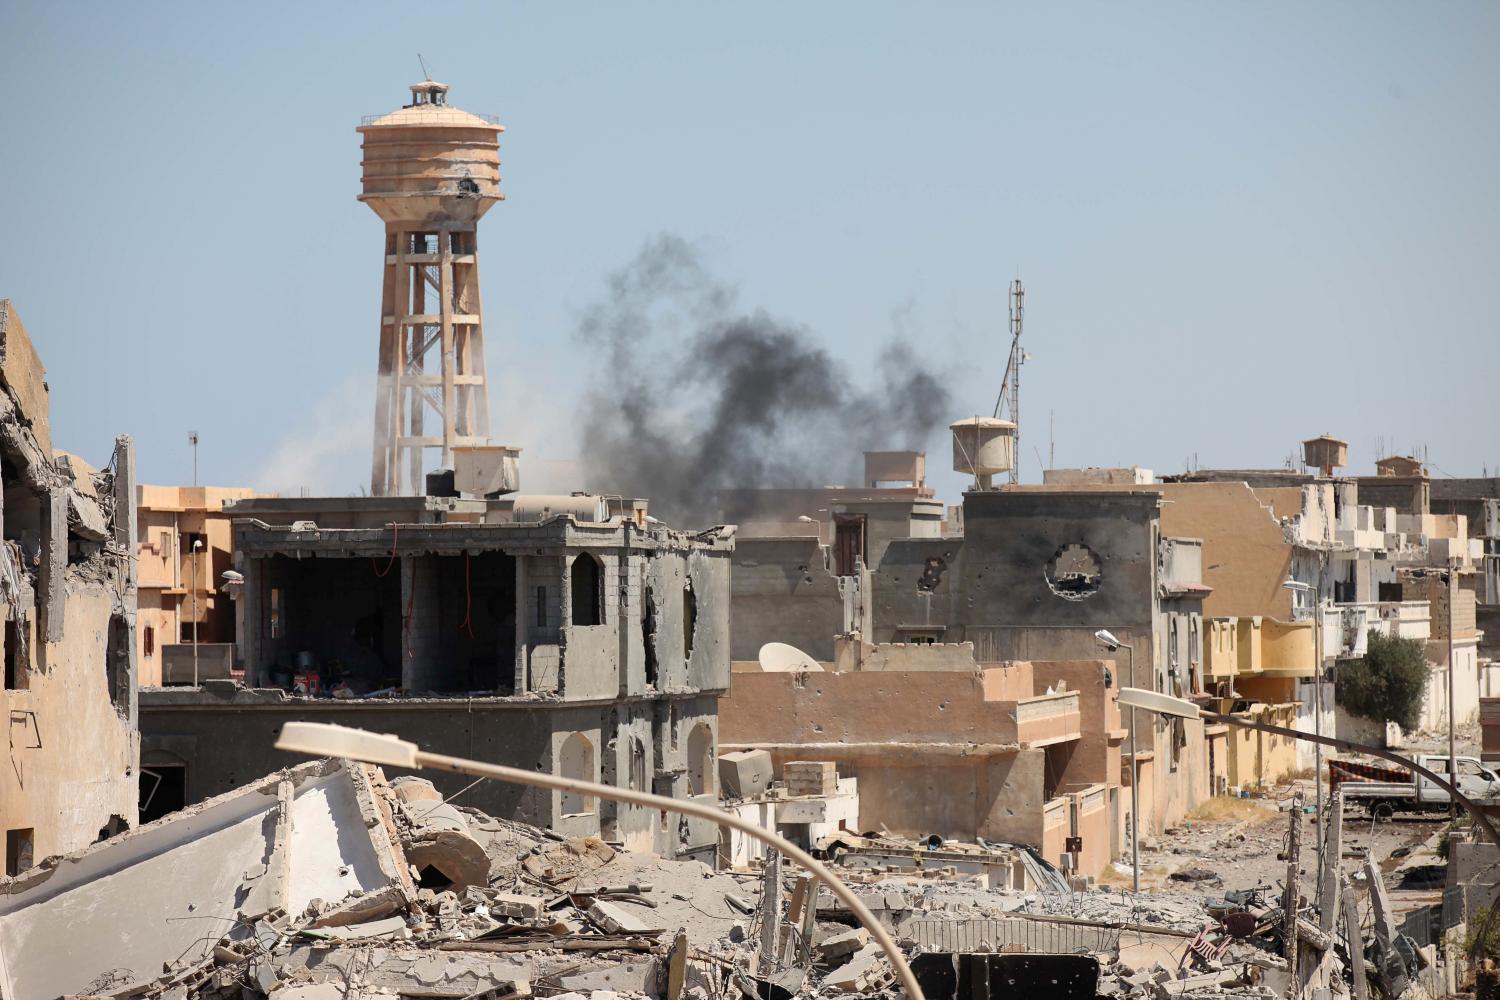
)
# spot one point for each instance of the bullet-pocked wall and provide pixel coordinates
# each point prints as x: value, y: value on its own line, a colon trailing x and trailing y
x: 1033, y: 577
x: 788, y: 590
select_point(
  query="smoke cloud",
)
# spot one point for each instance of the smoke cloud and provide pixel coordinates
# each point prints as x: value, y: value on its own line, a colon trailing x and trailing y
x: 693, y: 394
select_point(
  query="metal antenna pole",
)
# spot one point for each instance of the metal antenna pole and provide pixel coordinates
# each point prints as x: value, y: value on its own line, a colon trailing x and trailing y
x: 1008, y: 405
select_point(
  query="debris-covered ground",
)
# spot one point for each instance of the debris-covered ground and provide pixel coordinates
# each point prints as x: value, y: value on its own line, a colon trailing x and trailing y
x: 356, y: 887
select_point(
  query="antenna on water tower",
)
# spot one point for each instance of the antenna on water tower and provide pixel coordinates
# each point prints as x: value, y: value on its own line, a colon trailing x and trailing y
x: 1008, y: 406
x: 193, y: 440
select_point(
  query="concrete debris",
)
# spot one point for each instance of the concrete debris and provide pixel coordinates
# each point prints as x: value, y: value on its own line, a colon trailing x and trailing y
x: 436, y: 838
x: 745, y: 773
x: 307, y: 885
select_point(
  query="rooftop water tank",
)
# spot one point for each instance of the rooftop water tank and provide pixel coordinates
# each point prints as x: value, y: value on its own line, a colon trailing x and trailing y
x: 1325, y: 453
x: 983, y: 447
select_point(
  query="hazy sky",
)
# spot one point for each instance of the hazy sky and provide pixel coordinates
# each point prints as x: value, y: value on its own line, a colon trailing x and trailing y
x: 1239, y: 224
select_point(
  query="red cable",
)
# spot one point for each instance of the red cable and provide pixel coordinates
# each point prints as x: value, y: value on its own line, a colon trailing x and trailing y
x: 467, y: 624
x: 380, y: 573
x: 410, y: 600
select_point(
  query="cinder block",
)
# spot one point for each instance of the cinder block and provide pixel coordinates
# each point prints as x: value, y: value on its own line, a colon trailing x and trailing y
x: 743, y: 773
x: 810, y: 777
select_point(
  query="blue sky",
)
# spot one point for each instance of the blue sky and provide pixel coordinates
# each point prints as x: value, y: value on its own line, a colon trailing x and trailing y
x: 1239, y: 224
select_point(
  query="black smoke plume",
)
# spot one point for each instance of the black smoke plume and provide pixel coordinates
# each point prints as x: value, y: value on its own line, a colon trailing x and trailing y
x: 691, y: 394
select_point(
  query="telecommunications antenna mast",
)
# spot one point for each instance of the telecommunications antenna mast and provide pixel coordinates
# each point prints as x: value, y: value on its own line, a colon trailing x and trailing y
x: 1008, y: 406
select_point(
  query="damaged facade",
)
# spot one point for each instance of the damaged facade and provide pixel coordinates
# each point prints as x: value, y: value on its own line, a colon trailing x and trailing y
x: 584, y: 642
x: 1017, y: 575
x: 67, y: 586
x: 1021, y: 752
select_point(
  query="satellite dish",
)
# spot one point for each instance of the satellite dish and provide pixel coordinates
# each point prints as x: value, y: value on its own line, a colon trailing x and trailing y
x: 779, y: 658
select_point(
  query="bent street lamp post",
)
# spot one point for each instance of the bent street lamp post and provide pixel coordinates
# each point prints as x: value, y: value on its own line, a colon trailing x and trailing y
x: 321, y: 739
x: 1108, y: 641
x: 1153, y: 701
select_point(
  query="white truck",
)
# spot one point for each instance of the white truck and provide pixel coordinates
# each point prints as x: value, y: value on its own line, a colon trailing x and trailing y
x: 1384, y: 789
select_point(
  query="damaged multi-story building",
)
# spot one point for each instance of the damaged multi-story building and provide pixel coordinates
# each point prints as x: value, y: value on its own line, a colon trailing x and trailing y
x: 67, y: 585
x: 1015, y: 576
x: 562, y: 633
x: 186, y: 622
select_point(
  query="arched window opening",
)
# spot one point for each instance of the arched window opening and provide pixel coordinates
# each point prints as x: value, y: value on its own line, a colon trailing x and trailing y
x: 576, y: 760
x: 588, y: 590
x: 700, y: 750
x: 638, y: 765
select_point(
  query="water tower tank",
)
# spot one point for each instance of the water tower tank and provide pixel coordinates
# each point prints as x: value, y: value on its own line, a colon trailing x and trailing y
x: 1325, y: 453
x: 430, y: 162
x: 983, y: 447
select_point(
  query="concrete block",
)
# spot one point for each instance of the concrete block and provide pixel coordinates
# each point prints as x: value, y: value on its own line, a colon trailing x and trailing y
x: 615, y: 919
x: 810, y: 777
x: 510, y: 905
x: 745, y: 773
x: 845, y: 943
x: 861, y: 972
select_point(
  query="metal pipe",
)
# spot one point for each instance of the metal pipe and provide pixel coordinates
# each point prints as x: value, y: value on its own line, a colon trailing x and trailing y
x: 324, y: 739
x: 688, y: 807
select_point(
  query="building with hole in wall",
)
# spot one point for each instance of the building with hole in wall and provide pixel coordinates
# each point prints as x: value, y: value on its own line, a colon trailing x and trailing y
x: 572, y: 635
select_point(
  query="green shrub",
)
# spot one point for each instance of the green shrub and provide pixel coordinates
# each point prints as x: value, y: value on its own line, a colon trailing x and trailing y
x: 1387, y: 683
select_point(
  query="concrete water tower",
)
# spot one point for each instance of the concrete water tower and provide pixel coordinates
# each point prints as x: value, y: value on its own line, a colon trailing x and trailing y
x: 431, y: 171
x: 983, y: 447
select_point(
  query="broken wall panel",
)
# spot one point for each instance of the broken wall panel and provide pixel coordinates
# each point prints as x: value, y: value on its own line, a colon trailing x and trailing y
x: 118, y: 911
x: 67, y: 586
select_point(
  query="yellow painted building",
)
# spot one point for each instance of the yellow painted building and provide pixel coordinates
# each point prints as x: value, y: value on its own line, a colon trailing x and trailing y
x: 181, y: 584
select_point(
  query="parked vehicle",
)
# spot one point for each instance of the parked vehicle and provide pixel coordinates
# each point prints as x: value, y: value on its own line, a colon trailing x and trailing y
x: 1384, y: 789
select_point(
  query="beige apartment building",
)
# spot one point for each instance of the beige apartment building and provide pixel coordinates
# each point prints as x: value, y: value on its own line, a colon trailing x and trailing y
x: 183, y: 544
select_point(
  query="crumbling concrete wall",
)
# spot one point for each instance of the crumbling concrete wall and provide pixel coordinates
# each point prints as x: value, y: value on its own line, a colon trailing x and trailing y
x: 224, y: 735
x: 785, y: 590
x: 72, y: 750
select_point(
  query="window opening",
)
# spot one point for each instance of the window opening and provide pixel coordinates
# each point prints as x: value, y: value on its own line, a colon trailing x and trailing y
x: 576, y: 760
x: 20, y: 847
x: 701, y: 759
x: 648, y: 634
x: 163, y: 790
x: 689, y: 618
x: 15, y: 669
x: 587, y: 590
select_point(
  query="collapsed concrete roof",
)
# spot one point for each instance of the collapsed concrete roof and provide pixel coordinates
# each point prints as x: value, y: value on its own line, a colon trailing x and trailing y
x: 120, y: 911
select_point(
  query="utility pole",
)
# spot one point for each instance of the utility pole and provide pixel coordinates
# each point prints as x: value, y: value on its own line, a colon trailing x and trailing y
x: 1452, y: 582
x: 1318, y: 699
x: 197, y: 547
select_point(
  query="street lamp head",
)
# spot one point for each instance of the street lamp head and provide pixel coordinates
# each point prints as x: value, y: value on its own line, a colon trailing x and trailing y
x: 324, y: 739
x: 197, y: 544
x: 1297, y: 585
x: 1155, y: 701
x: 1108, y: 640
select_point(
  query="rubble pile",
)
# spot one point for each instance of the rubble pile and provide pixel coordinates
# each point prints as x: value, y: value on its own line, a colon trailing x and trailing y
x: 327, y: 882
